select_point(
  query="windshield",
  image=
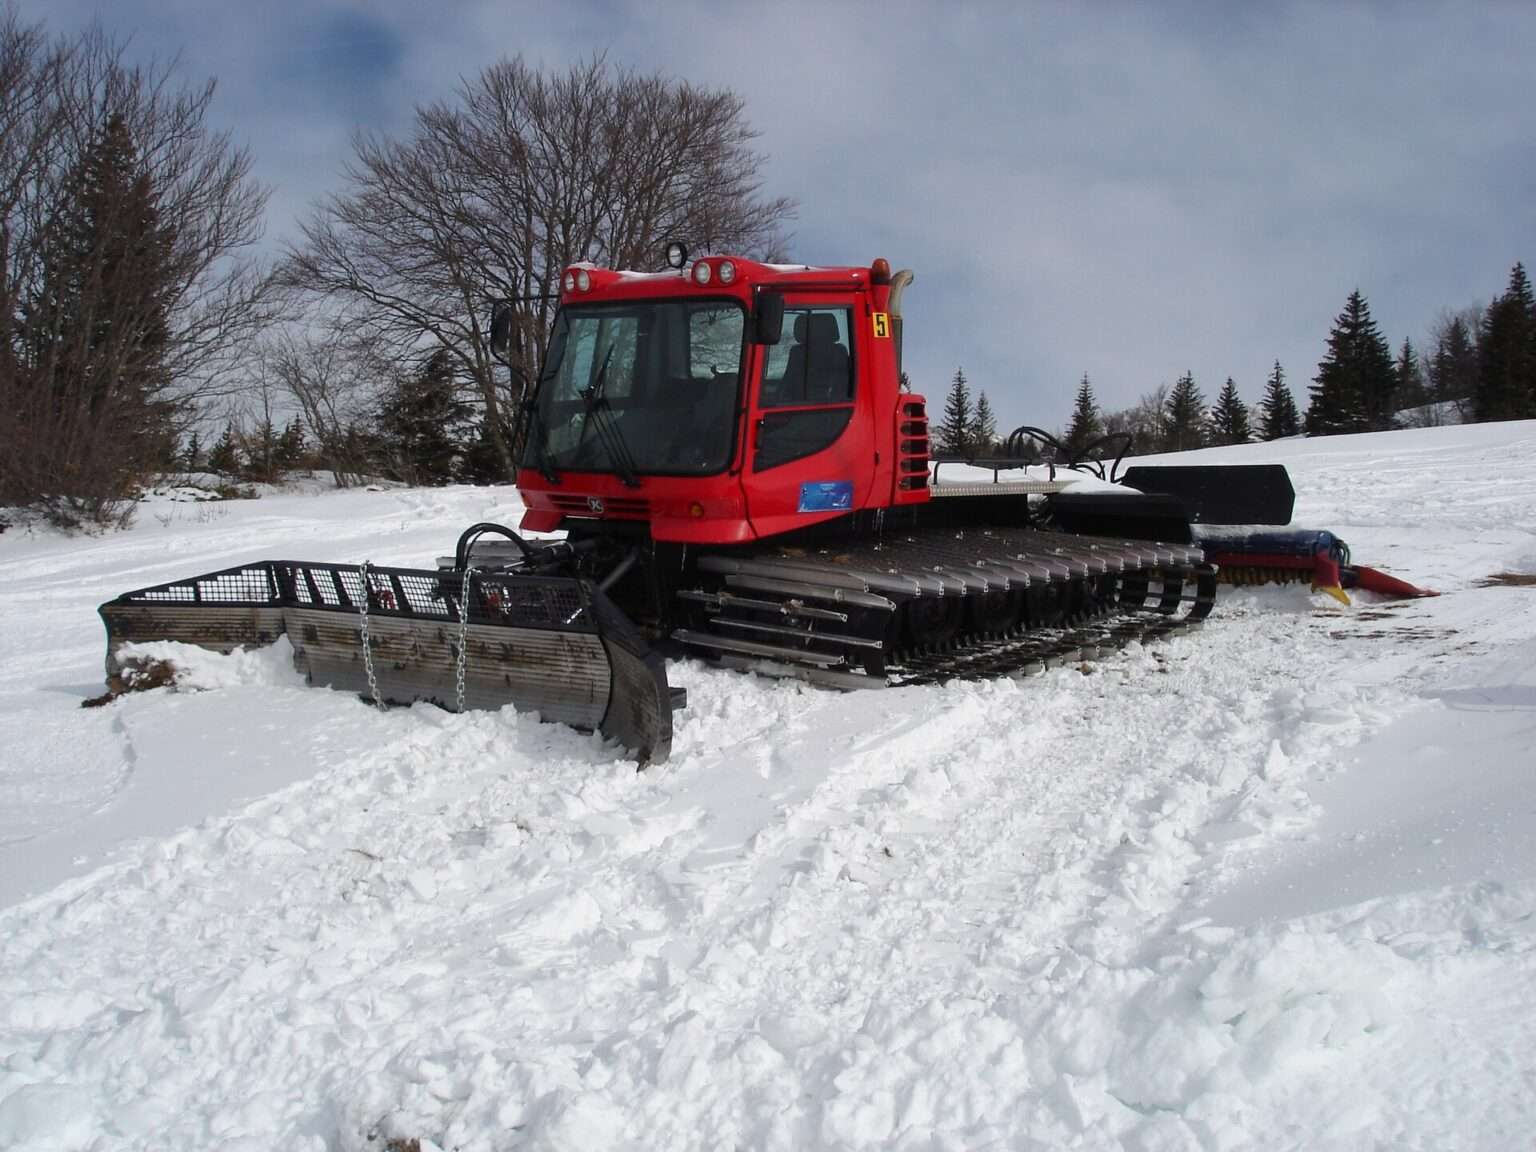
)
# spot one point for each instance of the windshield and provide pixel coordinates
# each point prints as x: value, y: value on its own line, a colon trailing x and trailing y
x: 650, y: 386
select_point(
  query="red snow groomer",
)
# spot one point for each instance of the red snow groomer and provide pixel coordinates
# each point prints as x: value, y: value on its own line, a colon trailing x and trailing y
x: 740, y: 477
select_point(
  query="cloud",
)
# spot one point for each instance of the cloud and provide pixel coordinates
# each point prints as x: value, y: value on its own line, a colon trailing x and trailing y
x: 348, y: 62
x: 1130, y: 191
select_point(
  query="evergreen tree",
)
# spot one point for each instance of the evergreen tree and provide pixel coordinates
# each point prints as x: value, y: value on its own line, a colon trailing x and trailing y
x: 1453, y: 369
x: 481, y: 463
x: 225, y: 457
x: 291, y: 446
x: 1356, y: 380
x: 94, y: 329
x: 986, y: 427
x: 1411, y: 392
x: 194, y: 456
x: 1087, y: 422
x: 1186, y: 416
x: 955, y: 432
x: 421, y: 423
x: 261, y: 453
x: 1229, y: 418
x: 1506, y: 354
x: 1279, y: 416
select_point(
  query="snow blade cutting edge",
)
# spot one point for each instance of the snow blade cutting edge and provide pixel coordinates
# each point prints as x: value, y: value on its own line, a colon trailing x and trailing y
x: 552, y: 645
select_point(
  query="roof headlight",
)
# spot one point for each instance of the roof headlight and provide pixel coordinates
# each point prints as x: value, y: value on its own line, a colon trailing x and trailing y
x: 701, y: 273
x: 583, y: 281
x: 570, y: 281
x: 727, y: 271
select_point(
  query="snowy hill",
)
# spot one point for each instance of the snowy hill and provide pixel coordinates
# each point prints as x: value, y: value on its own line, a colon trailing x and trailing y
x: 1272, y: 884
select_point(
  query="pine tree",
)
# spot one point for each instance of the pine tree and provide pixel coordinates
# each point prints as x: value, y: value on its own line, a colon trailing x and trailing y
x: 1087, y: 422
x: 1186, y: 416
x: 94, y: 329
x: 985, y: 427
x: 422, y: 422
x: 959, y: 418
x: 261, y: 453
x: 194, y: 456
x: 1355, y: 382
x: 225, y: 457
x: 1453, y: 369
x: 1506, y: 354
x: 1411, y: 392
x: 1229, y: 418
x: 481, y: 463
x: 291, y: 446
x: 1279, y: 416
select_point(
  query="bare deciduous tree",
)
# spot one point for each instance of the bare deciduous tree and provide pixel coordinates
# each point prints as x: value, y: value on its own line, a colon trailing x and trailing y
x: 333, y: 380
x: 493, y: 195
x: 1147, y: 421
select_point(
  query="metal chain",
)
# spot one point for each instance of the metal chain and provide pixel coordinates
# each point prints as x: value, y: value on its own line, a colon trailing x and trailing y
x: 463, y: 639
x: 362, y: 612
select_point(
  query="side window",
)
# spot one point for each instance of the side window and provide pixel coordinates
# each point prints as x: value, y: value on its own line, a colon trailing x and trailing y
x: 813, y: 363
x: 810, y: 373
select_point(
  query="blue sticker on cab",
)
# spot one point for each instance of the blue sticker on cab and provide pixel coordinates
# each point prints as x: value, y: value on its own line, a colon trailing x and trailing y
x: 826, y: 496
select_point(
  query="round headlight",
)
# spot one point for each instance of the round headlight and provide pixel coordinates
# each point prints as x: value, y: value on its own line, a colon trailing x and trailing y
x: 727, y: 271
x: 570, y: 281
x: 677, y: 254
x: 701, y: 273
x: 583, y: 281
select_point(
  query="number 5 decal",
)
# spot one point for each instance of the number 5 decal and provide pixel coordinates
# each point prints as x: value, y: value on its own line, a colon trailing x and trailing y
x: 882, y: 325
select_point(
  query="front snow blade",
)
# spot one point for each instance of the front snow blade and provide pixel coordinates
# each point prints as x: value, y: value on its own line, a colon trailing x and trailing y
x: 552, y: 645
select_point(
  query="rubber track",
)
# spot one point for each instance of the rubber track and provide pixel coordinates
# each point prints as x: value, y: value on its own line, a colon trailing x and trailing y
x: 1185, y: 580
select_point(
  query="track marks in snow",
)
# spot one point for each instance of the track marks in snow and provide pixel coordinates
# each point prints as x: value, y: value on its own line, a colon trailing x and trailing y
x: 831, y: 920
x: 933, y: 918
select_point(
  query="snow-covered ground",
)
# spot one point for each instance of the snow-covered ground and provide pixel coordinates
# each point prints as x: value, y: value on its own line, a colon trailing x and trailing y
x: 1268, y: 885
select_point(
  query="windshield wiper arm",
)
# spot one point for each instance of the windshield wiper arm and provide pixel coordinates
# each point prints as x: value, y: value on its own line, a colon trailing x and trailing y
x: 600, y: 413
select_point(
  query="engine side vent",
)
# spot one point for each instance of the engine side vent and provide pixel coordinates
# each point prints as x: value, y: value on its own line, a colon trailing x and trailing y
x: 911, y: 450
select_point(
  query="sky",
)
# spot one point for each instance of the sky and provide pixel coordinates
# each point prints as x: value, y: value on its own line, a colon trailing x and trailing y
x: 1130, y: 191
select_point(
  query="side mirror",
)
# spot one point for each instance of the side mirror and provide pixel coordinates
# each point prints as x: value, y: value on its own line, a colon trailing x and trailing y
x: 501, y: 330
x: 768, y: 324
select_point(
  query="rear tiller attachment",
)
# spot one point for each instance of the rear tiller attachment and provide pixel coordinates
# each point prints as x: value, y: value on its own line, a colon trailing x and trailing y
x: 1291, y: 555
x: 554, y: 645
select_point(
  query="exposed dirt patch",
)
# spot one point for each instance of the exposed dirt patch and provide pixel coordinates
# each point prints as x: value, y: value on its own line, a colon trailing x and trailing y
x: 1509, y: 580
x: 1391, y: 633
x: 135, y: 676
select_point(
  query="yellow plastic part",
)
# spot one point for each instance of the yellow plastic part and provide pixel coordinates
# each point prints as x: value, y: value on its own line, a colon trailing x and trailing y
x: 1335, y: 591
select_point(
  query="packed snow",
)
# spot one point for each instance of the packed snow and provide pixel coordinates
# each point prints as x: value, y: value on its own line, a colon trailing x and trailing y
x: 1268, y: 884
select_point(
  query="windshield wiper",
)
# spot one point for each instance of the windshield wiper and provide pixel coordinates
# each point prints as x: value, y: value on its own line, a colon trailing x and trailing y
x: 600, y: 413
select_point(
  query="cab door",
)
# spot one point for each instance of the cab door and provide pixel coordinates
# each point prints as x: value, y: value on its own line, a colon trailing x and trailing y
x: 810, y: 451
